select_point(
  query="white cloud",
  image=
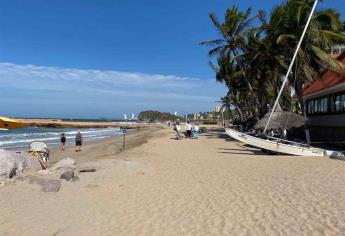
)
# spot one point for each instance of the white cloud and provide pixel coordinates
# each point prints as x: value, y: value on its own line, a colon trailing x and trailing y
x: 93, y: 93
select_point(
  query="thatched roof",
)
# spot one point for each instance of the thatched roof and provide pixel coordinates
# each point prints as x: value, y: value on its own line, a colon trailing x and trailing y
x: 281, y: 120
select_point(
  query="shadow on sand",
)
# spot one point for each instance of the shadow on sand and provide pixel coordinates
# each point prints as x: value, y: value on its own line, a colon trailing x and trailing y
x: 244, y: 149
x: 218, y: 133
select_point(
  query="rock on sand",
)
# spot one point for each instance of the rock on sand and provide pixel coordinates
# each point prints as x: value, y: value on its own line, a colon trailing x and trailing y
x: 67, y: 163
x: 11, y: 162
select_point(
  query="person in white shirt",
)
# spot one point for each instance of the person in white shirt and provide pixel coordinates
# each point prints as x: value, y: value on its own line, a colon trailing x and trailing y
x: 284, y: 134
x: 177, y: 128
x: 189, y: 129
x: 196, y: 131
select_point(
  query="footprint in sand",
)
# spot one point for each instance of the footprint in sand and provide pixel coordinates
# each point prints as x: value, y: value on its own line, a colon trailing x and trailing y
x: 92, y: 186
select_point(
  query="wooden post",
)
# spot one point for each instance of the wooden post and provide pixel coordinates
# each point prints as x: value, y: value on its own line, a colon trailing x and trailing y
x: 124, y: 131
x: 124, y: 141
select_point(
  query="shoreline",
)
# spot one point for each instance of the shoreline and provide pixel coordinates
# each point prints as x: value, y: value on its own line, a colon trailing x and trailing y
x: 104, y: 148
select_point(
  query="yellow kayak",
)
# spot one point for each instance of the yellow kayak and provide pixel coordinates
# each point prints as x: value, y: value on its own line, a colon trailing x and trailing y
x: 8, y: 123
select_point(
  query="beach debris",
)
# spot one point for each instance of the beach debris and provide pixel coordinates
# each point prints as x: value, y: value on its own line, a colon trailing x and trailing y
x: 12, y: 173
x: 92, y: 186
x: 12, y: 162
x: 68, y: 175
x: 47, y: 185
x: 87, y: 170
x: 67, y: 163
x: 44, y: 172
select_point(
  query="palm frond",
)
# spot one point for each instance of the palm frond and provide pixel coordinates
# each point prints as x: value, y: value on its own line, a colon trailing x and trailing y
x: 216, y: 24
x: 212, y: 43
x: 215, y: 51
x: 332, y: 64
x: 284, y: 37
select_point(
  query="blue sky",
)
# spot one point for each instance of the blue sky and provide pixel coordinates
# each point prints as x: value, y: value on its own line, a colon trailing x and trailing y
x: 83, y: 58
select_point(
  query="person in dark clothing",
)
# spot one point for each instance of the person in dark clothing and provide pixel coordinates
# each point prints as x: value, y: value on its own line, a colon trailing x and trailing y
x: 62, y: 141
x: 78, y: 141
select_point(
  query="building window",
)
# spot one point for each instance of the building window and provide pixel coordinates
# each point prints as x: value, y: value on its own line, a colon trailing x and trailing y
x: 332, y: 104
x: 310, y: 107
x: 316, y: 106
x: 324, y: 105
x: 338, y: 104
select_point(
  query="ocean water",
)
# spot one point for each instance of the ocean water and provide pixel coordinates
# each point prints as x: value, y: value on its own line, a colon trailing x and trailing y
x: 21, y: 138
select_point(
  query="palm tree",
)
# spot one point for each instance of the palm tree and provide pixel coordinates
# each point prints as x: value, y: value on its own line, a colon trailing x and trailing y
x: 229, y: 73
x: 324, y: 31
x: 233, y: 31
x: 252, y: 58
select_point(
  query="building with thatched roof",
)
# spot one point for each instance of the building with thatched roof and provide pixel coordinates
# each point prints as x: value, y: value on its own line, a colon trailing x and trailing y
x: 325, y: 106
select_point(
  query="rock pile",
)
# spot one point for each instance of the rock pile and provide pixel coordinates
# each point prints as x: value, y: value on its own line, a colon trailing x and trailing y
x: 14, y: 162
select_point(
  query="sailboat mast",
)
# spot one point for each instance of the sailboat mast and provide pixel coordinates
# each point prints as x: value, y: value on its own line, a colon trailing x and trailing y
x: 291, y: 64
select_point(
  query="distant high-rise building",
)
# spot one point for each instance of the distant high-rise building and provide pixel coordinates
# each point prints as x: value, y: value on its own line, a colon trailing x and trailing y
x: 125, y: 116
x: 217, y: 108
x: 132, y: 116
x: 175, y: 113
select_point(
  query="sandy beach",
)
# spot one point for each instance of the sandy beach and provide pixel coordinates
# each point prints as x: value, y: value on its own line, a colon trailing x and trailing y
x: 163, y: 186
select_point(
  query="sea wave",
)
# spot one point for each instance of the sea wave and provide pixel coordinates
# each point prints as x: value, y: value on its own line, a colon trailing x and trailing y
x: 21, y: 138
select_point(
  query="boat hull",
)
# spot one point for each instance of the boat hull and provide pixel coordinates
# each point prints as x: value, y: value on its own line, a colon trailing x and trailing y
x: 275, y: 145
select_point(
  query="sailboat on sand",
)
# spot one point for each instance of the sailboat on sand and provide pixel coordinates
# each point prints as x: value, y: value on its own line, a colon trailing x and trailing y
x: 280, y: 145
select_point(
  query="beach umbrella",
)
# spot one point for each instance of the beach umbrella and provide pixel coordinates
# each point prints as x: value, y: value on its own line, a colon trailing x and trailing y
x: 281, y: 120
x: 7, y: 123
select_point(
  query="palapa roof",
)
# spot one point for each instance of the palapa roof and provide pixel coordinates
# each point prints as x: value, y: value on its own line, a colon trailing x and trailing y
x: 281, y: 120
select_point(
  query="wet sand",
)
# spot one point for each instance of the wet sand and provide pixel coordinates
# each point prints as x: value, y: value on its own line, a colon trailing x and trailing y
x: 103, y: 149
x: 210, y: 186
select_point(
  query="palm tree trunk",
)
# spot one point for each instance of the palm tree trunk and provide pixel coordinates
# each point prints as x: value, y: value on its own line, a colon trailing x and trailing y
x: 299, y: 92
x: 250, y: 87
x: 236, y: 104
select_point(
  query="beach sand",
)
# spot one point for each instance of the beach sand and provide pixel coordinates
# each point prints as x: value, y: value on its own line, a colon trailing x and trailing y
x: 103, y: 149
x: 210, y: 186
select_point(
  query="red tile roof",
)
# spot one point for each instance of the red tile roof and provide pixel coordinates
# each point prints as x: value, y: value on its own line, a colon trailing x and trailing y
x: 328, y: 79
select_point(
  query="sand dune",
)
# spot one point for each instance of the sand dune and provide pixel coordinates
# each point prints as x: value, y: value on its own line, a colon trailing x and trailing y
x: 210, y: 186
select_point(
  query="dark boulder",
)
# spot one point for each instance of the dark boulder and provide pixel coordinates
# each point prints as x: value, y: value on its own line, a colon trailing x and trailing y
x: 68, y: 175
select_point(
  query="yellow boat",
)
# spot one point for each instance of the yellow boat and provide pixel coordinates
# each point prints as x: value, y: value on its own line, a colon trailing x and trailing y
x: 8, y: 123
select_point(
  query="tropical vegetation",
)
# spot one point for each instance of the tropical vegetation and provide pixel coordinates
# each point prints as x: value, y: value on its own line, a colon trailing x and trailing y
x: 254, y: 50
x: 157, y: 116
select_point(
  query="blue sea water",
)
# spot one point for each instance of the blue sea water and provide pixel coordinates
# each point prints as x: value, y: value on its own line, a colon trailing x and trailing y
x: 21, y: 138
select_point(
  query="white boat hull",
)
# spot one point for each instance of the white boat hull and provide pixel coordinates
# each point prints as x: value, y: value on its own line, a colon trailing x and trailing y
x: 275, y: 145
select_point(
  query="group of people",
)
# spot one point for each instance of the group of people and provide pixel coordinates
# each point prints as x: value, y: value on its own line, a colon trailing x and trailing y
x: 191, y: 130
x: 78, y: 141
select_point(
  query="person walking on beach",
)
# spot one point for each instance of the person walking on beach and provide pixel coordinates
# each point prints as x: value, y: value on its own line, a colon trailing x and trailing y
x: 177, y: 128
x: 188, y: 130
x: 62, y: 141
x: 196, y: 131
x: 78, y: 141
